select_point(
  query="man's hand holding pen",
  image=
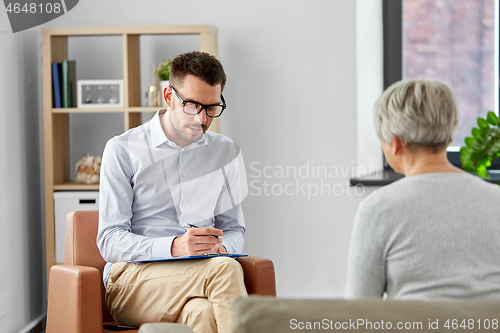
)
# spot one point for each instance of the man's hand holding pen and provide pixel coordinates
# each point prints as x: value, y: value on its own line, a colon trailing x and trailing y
x: 198, y: 241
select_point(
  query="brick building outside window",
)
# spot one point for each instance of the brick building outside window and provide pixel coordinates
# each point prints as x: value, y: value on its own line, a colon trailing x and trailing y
x: 454, y: 41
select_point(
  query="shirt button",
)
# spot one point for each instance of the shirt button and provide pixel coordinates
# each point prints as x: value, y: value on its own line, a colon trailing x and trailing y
x: 183, y: 201
x: 183, y: 175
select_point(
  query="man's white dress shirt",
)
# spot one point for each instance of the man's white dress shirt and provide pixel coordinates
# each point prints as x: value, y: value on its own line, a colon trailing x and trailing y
x: 150, y: 189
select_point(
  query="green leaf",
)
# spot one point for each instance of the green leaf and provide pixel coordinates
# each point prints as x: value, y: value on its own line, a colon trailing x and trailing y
x: 163, y: 70
x: 465, y: 154
x: 481, y: 171
x: 483, y: 146
x: 467, y: 166
x: 476, y: 132
x: 469, y: 141
x: 482, y: 123
x: 492, y: 118
x: 484, y: 162
x: 465, y: 150
x: 494, y: 149
x: 480, y: 144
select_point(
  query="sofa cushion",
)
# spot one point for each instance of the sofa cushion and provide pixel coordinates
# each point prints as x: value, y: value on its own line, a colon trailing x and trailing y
x: 265, y: 314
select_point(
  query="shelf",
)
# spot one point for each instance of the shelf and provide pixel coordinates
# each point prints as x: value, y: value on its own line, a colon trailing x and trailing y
x: 58, y: 129
x: 139, y: 30
x: 104, y: 110
x: 85, y: 110
x: 75, y: 187
x: 144, y: 108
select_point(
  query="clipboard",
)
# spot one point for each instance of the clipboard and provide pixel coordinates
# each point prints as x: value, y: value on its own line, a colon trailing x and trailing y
x: 203, y: 256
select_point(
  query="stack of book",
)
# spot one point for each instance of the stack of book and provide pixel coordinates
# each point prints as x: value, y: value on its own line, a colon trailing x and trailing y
x: 64, y: 84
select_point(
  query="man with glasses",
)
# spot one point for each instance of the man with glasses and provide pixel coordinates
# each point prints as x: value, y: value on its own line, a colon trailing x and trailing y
x: 170, y: 189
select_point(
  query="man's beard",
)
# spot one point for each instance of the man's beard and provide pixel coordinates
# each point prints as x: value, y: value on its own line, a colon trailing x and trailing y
x: 174, y: 121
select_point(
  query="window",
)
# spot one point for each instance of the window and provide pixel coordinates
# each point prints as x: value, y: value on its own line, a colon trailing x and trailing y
x: 453, y: 41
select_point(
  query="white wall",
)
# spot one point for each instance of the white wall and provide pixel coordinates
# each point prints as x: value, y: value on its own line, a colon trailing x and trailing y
x: 293, y: 98
x: 22, y: 276
x: 293, y: 82
x: 370, y: 82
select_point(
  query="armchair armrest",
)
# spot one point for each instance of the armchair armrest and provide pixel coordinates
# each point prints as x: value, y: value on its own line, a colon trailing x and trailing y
x: 74, y: 304
x: 259, y: 275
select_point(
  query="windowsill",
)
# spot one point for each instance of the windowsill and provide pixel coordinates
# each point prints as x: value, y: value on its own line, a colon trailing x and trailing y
x: 387, y: 176
x: 380, y: 178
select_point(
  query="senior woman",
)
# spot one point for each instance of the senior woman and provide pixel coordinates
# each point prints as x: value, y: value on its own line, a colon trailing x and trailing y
x: 435, y: 234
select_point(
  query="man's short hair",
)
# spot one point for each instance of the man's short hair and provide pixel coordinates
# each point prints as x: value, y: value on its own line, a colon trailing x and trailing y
x: 200, y: 64
x: 422, y: 113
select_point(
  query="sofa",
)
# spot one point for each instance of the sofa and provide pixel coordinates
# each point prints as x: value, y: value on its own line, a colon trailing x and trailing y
x: 258, y: 314
x: 261, y: 314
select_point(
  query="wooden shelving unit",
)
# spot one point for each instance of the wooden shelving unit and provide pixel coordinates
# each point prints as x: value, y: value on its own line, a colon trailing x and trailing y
x: 56, y: 121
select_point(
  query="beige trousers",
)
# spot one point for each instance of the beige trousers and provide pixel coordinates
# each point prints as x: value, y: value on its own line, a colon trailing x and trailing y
x: 195, y: 292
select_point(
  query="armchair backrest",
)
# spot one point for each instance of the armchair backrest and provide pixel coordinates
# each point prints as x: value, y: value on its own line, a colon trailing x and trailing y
x: 81, y: 248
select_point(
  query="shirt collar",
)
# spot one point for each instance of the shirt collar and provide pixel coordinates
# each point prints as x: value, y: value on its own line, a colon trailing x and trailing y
x: 158, y: 137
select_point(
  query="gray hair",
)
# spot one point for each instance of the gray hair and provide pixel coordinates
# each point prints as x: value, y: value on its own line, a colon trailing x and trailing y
x: 422, y: 113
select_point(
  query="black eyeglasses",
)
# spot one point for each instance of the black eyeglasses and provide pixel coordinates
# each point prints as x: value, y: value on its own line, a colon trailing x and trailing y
x: 192, y: 108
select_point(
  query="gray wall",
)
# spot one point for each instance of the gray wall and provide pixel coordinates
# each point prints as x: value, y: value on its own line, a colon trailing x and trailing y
x: 295, y: 95
x: 22, y: 276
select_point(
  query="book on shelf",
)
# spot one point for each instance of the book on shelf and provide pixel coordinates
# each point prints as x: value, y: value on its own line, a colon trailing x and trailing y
x: 56, y: 84
x: 68, y: 76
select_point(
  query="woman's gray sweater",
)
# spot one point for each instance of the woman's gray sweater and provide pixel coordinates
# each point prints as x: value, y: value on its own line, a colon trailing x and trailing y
x: 430, y: 237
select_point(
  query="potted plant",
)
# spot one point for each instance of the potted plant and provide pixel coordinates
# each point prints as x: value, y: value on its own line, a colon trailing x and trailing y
x: 163, y: 74
x: 483, y: 146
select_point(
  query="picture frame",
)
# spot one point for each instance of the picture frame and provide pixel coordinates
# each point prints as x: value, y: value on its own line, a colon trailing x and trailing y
x: 100, y: 93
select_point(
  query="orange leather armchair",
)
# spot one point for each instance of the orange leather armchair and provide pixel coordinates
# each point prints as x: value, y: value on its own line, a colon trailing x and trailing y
x: 76, y: 291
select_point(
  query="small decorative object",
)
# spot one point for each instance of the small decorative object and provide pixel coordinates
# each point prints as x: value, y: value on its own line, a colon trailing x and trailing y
x: 153, y: 96
x: 100, y: 93
x: 163, y: 74
x: 87, y: 170
x: 483, y: 146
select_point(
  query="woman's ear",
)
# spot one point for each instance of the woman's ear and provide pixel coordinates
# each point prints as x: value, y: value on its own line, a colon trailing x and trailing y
x: 396, y: 145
